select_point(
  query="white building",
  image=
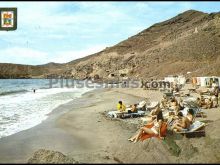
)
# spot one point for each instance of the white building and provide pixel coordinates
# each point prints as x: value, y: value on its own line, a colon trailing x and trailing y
x: 181, y: 80
x: 207, y: 81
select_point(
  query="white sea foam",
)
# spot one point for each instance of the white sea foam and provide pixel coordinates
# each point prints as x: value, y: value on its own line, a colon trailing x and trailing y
x: 22, y: 111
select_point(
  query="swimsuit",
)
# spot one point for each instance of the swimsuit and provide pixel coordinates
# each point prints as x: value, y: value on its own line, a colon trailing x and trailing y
x: 155, y: 127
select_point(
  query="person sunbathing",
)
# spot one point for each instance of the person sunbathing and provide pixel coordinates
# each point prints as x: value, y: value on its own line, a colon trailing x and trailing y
x: 133, y: 108
x: 215, y: 102
x: 199, y: 102
x: 164, y: 102
x: 152, y: 115
x: 174, y: 119
x: 154, y: 130
x: 183, y: 122
x: 207, y: 104
x: 190, y: 115
x: 173, y: 102
x: 180, y: 104
x: 173, y: 106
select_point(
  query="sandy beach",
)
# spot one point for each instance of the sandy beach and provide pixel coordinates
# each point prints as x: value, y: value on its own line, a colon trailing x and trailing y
x: 80, y: 130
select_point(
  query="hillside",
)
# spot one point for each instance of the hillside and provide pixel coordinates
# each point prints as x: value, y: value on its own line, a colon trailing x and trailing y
x: 187, y: 42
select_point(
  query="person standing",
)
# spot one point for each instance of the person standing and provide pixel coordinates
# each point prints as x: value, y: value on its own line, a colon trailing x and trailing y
x: 216, y: 92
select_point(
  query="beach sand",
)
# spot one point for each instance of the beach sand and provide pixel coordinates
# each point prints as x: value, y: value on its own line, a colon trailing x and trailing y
x: 79, y: 130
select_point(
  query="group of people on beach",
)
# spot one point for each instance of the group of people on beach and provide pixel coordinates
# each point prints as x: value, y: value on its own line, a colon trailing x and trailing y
x: 209, y: 102
x: 170, y: 114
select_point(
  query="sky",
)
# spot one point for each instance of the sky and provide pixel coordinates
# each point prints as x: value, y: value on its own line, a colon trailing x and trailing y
x: 63, y: 31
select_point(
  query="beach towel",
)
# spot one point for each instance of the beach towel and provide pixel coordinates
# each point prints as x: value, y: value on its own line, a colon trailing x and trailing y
x: 141, y: 104
x: 113, y: 114
x: 163, y: 132
x: 134, y: 114
x: 116, y: 114
x: 152, y: 105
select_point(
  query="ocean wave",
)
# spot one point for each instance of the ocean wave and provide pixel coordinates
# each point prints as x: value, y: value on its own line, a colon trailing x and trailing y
x: 12, y: 92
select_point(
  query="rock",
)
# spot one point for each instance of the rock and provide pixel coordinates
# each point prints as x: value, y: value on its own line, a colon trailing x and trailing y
x: 48, y: 156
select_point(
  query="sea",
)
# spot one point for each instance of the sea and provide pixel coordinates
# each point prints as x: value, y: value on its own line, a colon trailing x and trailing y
x: 21, y: 108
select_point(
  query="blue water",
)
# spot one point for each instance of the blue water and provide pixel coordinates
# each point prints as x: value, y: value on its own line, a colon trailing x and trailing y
x: 21, y: 108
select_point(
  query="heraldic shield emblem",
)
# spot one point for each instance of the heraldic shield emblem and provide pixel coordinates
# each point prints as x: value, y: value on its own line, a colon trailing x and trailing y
x: 8, y: 19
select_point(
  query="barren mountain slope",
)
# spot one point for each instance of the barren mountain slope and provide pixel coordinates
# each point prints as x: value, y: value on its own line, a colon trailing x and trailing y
x: 188, y: 42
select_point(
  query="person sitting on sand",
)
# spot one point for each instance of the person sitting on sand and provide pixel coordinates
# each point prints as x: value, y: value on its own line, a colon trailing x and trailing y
x: 183, y: 122
x: 180, y: 104
x: 175, y: 88
x: 164, y: 102
x: 214, y: 86
x: 204, y: 103
x: 153, y: 114
x: 208, y: 104
x: 155, y: 130
x: 134, y: 108
x: 215, y: 102
x: 174, y: 119
x: 121, y: 107
x: 174, y: 105
x: 190, y: 115
x: 173, y: 102
x: 199, y: 102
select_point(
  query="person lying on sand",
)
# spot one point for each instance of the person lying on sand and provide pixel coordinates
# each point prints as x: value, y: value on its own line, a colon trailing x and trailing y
x: 155, y: 130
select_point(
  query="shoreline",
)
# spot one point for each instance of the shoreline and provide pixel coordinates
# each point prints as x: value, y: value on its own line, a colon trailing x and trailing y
x: 79, y: 130
x: 13, y: 149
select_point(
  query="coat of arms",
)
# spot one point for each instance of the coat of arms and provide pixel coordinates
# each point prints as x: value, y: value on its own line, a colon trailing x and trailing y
x: 8, y: 19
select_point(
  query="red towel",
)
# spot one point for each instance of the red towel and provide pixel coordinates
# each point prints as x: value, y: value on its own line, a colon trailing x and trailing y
x: 163, y: 132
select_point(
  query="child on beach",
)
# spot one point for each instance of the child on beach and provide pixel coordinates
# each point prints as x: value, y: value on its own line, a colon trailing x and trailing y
x: 121, y: 107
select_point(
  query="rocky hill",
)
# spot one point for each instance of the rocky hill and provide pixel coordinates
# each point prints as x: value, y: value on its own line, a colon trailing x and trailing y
x: 188, y: 42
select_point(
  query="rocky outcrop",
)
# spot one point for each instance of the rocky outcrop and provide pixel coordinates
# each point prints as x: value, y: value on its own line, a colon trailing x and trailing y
x: 48, y: 156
